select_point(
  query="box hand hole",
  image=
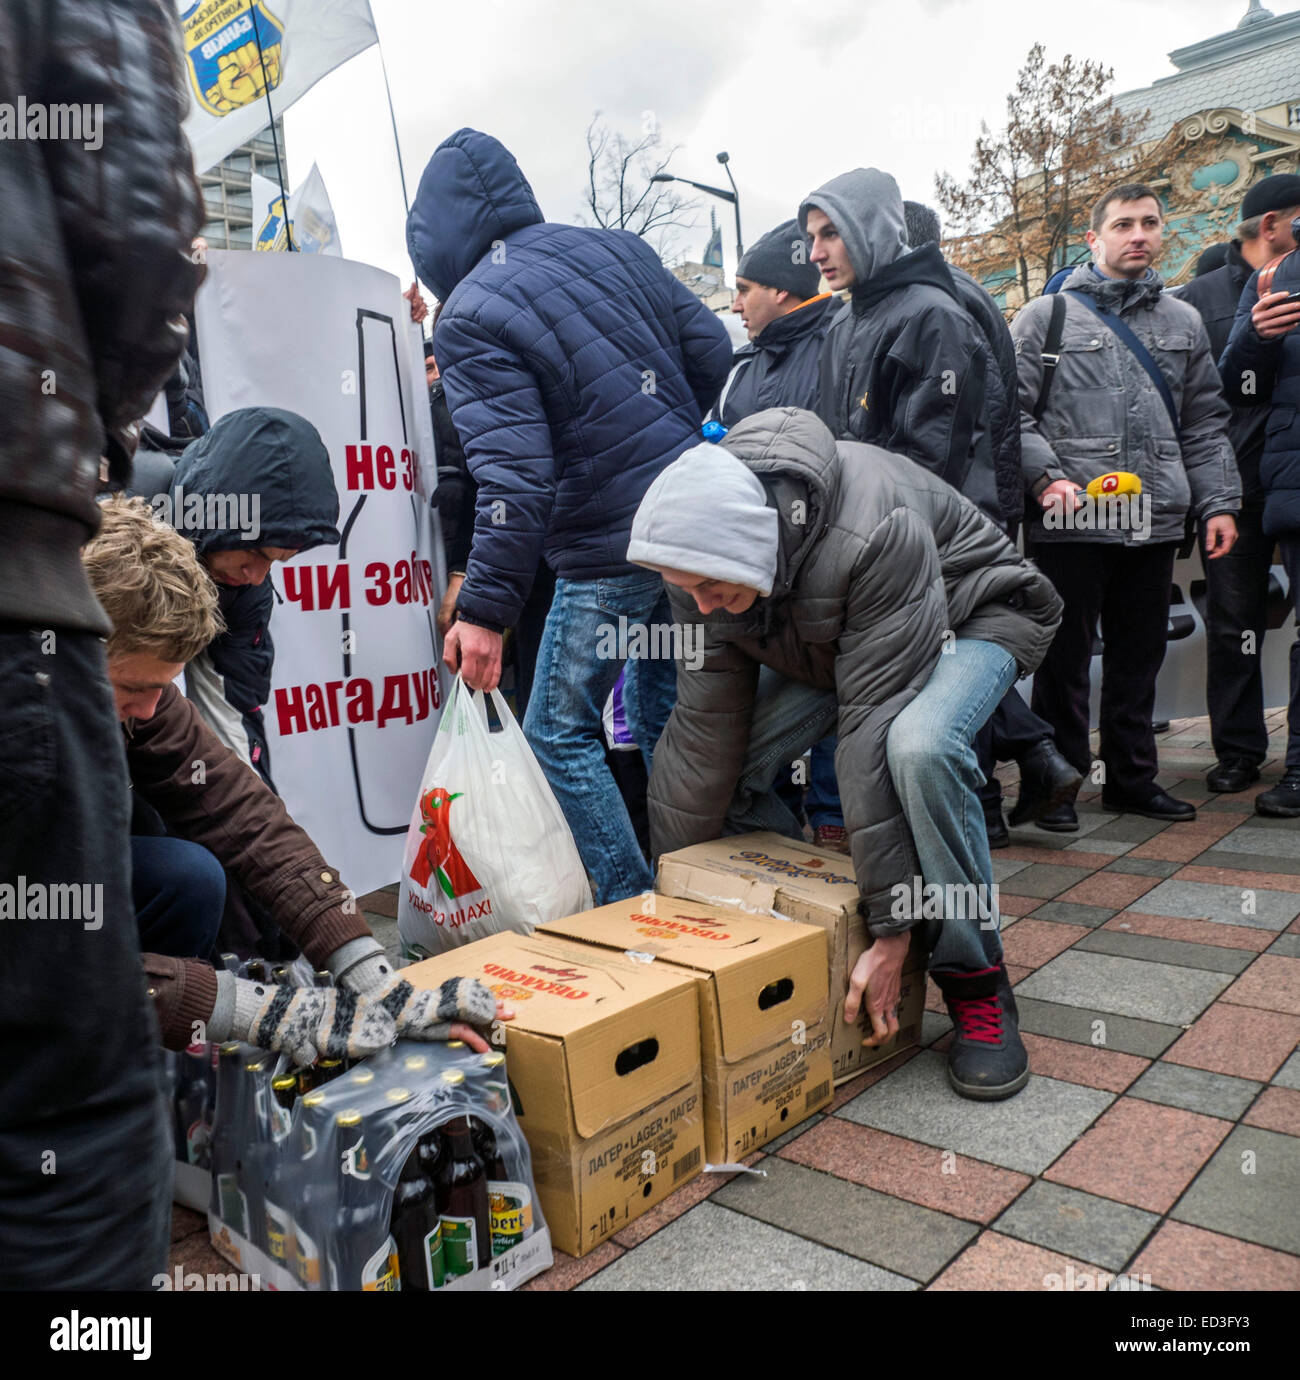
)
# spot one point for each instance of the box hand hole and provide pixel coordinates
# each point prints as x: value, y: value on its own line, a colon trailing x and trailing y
x: 636, y: 1056
x: 775, y: 993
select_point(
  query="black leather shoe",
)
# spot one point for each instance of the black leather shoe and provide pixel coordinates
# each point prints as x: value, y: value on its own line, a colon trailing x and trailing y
x: 1046, y: 781
x: 1159, y: 806
x: 1232, y: 774
x: 996, y: 826
x: 1283, y: 800
x: 987, y: 1059
x: 1061, y: 820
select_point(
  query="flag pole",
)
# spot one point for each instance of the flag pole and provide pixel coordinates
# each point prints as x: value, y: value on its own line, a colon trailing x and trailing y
x: 397, y: 143
x: 275, y: 142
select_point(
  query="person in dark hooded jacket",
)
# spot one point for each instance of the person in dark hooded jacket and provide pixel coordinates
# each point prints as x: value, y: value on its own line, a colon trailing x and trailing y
x: 576, y: 368
x: 1014, y: 733
x: 255, y: 489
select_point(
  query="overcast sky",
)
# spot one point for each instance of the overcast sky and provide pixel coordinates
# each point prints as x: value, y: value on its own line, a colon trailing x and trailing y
x: 795, y: 92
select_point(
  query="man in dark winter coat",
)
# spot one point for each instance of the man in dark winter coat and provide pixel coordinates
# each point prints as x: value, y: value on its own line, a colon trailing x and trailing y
x: 1236, y: 598
x: 890, y: 607
x: 95, y: 278
x: 576, y: 368
x: 904, y: 367
x: 1260, y: 367
x: 911, y: 368
x: 255, y: 489
x: 787, y: 320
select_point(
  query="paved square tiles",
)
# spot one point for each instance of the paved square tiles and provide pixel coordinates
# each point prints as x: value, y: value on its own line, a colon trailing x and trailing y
x: 1249, y: 1190
x: 1240, y: 1040
x: 1258, y: 837
x: 1196, y: 1090
x: 1097, y: 1028
x: 1278, y: 1109
x: 1272, y: 982
x: 713, y: 1248
x: 1208, y: 957
x: 1141, y: 1154
x: 1225, y: 905
x: 900, y: 1236
x: 908, y: 1169
x: 1003, y: 1263
x: 1126, y: 986
x: 1288, y: 1076
x: 1026, y: 1132
x: 1077, y: 1224
x: 1180, y: 1257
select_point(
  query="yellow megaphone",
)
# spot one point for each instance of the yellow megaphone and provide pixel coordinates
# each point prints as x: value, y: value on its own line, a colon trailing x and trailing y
x: 1116, y: 482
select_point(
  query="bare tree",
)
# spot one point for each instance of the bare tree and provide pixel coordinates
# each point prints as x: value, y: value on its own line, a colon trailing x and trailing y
x: 621, y: 194
x: 1032, y: 184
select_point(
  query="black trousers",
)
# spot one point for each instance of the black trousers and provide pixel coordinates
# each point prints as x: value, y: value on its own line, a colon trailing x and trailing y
x: 1011, y: 731
x: 85, y: 1149
x: 1126, y: 589
x: 1236, y: 602
x: 1290, y: 547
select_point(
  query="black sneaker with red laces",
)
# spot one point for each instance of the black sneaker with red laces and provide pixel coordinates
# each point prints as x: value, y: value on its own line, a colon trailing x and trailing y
x: 987, y: 1058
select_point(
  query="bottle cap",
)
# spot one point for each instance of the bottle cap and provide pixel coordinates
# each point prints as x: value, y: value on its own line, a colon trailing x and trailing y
x: 349, y: 1118
x: 453, y: 1076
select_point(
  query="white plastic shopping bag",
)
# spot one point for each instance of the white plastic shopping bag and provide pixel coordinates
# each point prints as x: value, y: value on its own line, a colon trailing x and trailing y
x: 488, y: 848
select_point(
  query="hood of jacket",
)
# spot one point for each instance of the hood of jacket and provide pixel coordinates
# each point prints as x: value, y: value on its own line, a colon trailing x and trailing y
x: 866, y: 208
x: 794, y: 456
x: 471, y: 194
x: 1116, y: 295
x: 257, y: 453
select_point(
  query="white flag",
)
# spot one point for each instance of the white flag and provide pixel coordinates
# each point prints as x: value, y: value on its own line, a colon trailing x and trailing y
x: 311, y: 217
x: 235, y: 50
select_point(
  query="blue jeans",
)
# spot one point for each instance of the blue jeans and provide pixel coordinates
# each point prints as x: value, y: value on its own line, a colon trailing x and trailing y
x: 822, y: 803
x: 179, y: 890
x: 578, y: 662
x: 931, y: 752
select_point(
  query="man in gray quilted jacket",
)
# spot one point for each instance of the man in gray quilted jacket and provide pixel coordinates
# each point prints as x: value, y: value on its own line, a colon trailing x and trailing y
x: 839, y: 587
x: 1111, y: 556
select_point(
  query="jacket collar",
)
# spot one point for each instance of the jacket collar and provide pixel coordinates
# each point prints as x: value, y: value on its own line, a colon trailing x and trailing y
x: 1116, y: 295
x: 924, y: 265
x: 794, y: 325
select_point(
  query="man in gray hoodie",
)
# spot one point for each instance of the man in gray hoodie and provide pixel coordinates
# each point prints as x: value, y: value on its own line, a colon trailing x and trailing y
x: 891, y: 610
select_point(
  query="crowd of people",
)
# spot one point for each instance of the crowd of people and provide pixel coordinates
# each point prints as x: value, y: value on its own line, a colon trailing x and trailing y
x: 873, y: 520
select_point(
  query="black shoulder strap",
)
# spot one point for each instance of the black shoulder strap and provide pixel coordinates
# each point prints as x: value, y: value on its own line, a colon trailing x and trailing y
x: 1051, y: 353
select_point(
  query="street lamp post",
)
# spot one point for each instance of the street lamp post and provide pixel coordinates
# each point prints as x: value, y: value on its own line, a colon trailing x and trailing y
x: 733, y: 196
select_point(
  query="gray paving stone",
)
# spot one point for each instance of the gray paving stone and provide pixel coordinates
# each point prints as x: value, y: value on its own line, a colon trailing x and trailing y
x: 1150, y: 1039
x: 900, y: 1236
x: 1072, y: 913
x: 1182, y: 954
x: 1247, y: 862
x: 1046, y: 880
x: 1125, y: 986
x: 934, y: 1026
x: 1006, y: 867
x: 1257, y: 1206
x: 795, y: 1131
x: 1135, y: 828
x: 1288, y: 1076
x: 1195, y: 1090
x: 713, y: 1248
x: 1028, y: 836
x: 1259, y: 837
x: 1077, y: 1224
x: 1273, y: 910
x: 1026, y: 1132
x: 1144, y: 867
x: 1285, y: 946
x: 1111, y: 847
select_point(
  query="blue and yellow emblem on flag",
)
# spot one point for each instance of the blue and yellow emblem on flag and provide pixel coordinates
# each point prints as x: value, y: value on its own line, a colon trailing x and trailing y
x: 227, y: 69
x: 273, y: 234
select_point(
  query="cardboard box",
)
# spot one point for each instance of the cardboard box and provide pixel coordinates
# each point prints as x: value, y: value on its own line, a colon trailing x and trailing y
x: 603, y: 1057
x: 765, y: 1046
x: 769, y: 873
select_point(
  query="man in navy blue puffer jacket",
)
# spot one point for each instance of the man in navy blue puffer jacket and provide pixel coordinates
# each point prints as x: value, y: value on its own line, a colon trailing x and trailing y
x: 576, y: 368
